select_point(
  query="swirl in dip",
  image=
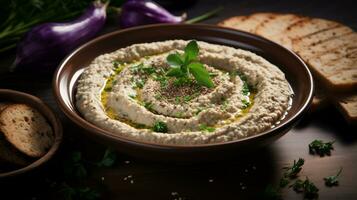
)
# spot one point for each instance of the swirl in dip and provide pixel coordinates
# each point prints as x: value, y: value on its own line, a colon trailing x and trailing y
x: 129, y: 93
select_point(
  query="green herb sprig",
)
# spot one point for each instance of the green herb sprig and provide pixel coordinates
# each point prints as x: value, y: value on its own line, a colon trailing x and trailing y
x: 204, y: 127
x: 332, y: 180
x: 292, y: 171
x: 320, y: 147
x: 186, y: 64
x: 307, y: 187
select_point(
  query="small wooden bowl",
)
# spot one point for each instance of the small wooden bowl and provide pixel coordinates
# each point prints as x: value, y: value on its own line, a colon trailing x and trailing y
x: 13, y: 96
x: 297, y: 73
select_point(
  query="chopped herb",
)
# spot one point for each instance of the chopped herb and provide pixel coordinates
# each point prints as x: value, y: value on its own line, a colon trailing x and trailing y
x: 140, y: 68
x: 332, y: 180
x: 160, y: 127
x: 204, y: 127
x: 136, y: 68
x: 307, y: 187
x: 182, y: 81
x: 179, y: 114
x: 245, y: 88
x: 199, y: 109
x: 148, y: 105
x: 177, y: 100
x: 321, y: 148
x: 139, y: 83
x: 242, y: 77
x: 187, y: 98
x: 183, y: 65
x: 293, y: 170
x: 148, y: 70
x: 162, y: 79
x: 246, y: 103
x: 116, y: 64
x: 108, y: 159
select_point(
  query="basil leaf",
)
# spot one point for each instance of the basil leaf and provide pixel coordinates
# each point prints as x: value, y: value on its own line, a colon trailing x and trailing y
x: 176, y: 72
x: 174, y: 60
x: 201, y: 74
x: 191, y: 50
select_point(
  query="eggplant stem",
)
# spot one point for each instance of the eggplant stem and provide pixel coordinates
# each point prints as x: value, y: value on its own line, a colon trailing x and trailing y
x: 204, y: 16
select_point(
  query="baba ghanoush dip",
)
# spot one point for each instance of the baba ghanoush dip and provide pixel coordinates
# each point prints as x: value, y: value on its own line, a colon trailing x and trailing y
x: 183, y: 92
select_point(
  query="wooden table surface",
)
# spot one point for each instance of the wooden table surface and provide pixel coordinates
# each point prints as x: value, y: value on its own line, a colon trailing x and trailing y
x: 243, y: 177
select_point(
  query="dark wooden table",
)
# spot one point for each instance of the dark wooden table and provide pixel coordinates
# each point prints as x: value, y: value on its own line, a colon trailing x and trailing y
x: 243, y: 177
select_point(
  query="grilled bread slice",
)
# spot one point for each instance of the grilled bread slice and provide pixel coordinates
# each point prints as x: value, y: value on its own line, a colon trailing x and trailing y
x: 247, y: 23
x: 26, y: 129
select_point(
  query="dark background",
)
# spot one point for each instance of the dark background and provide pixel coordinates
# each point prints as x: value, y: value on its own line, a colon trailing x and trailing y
x: 243, y: 177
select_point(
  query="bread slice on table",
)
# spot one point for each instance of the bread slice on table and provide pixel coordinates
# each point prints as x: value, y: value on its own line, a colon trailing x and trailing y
x: 309, y: 26
x: 247, y: 23
x: 26, y: 129
x: 332, y: 59
x: 9, y: 155
x: 274, y: 28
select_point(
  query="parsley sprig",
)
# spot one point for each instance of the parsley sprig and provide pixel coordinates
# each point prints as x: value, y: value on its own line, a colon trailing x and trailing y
x: 292, y: 171
x: 320, y: 147
x: 332, y: 180
x: 307, y: 187
x: 187, y: 64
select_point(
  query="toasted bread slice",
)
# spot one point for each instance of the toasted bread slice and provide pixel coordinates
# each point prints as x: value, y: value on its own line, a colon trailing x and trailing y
x: 10, y: 155
x: 26, y: 129
x: 308, y: 26
x: 247, y: 23
x: 334, y: 61
x: 348, y: 106
x: 274, y: 28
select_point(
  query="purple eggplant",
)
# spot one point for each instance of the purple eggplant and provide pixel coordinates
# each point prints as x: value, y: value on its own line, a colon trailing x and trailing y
x: 45, y: 45
x: 140, y: 12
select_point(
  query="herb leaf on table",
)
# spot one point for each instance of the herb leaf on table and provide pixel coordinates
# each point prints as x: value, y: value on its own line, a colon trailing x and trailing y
x: 293, y: 170
x: 332, y: 180
x: 320, y: 147
x: 307, y: 187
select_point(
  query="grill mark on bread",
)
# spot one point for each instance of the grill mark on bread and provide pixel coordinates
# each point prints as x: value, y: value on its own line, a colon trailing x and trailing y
x: 323, y: 44
x: 298, y: 23
x: 318, y: 32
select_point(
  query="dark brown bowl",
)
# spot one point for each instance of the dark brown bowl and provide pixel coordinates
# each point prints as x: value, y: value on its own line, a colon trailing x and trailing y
x: 13, y: 96
x: 297, y: 73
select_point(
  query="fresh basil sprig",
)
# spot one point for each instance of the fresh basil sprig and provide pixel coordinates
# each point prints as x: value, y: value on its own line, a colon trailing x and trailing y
x: 182, y: 65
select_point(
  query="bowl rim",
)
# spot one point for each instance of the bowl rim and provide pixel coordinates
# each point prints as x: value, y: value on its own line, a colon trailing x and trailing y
x: 93, y: 129
x: 57, y: 130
